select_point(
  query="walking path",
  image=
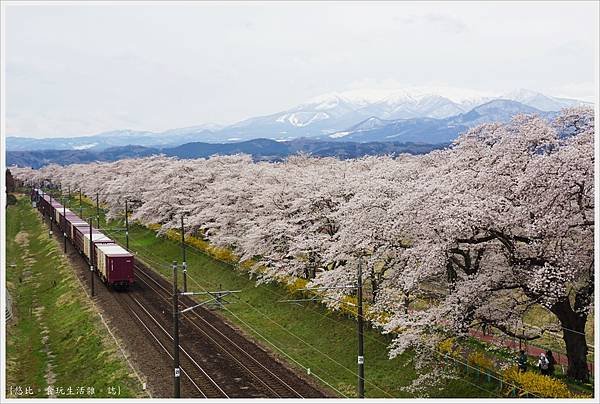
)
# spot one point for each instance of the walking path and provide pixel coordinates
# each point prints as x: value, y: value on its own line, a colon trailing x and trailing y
x: 530, y: 350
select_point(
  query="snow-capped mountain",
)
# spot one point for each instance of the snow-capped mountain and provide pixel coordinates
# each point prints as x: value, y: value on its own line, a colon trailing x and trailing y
x: 116, y: 138
x: 328, y: 116
x: 434, y: 130
x: 412, y: 102
x: 541, y: 101
x: 318, y: 116
x: 328, y: 113
x: 419, y: 102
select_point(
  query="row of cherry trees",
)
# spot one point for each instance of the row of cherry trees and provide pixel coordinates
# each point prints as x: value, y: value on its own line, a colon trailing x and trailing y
x: 475, y: 234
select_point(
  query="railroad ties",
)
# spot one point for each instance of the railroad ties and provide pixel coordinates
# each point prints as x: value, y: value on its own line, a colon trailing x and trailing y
x: 257, y: 374
x: 203, y: 384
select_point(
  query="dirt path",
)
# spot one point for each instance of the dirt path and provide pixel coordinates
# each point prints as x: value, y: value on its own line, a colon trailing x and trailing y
x: 530, y: 350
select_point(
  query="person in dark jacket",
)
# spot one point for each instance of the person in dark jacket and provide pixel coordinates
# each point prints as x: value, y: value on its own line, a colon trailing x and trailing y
x: 551, y: 362
x: 522, y: 361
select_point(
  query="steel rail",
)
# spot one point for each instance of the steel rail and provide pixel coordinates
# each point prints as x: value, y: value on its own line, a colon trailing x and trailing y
x: 231, y: 342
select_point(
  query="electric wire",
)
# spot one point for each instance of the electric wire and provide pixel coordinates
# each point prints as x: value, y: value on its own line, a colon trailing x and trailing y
x: 198, y: 252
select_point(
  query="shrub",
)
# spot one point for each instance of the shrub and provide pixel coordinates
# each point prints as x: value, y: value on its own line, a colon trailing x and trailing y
x: 295, y: 285
x: 153, y: 226
x: 481, y: 360
x: 448, y: 346
x: 535, y: 383
x: 219, y: 253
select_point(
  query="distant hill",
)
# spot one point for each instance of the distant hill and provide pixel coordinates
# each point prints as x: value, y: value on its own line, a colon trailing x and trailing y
x: 372, y: 136
x: 40, y: 158
x: 259, y: 149
x: 107, y: 140
x: 419, y: 112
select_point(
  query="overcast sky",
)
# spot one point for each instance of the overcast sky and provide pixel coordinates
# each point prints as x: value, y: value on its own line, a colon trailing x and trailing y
x: 82, y: 69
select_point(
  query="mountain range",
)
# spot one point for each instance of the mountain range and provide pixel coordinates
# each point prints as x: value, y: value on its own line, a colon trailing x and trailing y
x: 416, y: 114
x: 432, y: 130
x: 259, y: 149
x: 373, y: 136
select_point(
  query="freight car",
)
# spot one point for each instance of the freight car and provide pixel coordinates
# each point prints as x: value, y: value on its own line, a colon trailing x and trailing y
x: 71, y: 223
x: 97, y: 238
x: 113, y: 263
x: 43, y: 204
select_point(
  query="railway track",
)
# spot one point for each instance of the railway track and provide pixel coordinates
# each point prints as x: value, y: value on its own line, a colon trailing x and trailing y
x: 216, y: 361
x: 204, y: 385
x: 245, y: 356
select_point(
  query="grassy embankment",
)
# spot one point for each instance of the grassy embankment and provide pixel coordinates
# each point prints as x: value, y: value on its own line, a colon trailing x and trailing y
x: 306, y: 336
x: 55, y: 337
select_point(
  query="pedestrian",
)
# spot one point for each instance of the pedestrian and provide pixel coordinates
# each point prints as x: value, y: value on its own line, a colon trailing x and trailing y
x: 551, y: 362
x: 543, y: 364
x: 522, y: 361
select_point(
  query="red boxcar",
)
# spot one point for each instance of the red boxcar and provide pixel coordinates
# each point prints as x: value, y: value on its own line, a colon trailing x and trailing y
x: 44, y: 204
x: 115, y: 265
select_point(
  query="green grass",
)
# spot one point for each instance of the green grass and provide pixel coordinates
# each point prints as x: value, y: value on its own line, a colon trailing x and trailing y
x: 41, y: 281
x: 306, y: 336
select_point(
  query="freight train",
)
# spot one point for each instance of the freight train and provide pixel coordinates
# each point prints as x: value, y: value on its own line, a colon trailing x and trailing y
x: 113, y: 264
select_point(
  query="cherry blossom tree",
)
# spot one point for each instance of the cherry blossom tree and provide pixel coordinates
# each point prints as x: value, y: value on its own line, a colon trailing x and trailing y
x: 477, y: 234
x: 504, y: 220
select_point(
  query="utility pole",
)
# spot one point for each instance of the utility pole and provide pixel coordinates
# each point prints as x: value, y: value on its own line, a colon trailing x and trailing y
x: 176, y: 369
x: 80, y: 206
x: 97, y: 210
x: 69, y: 196
x: 361, y: 357
x: 126, y: 225
x: 64, y: 225
x: 50, y: 218
x: 218, y: 296
x: 359, y: 317
x: 91, y: 258
x: 183, y: 264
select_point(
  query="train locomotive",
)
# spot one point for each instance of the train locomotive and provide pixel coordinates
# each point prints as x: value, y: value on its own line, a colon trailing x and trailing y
x: 113, y: 264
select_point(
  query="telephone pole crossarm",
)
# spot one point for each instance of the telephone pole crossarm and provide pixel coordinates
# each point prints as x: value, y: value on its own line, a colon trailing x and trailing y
x: 212, y: 293
x: 194, y: 307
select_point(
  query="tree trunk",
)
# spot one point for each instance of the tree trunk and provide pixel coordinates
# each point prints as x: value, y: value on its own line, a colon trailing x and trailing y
x: 374, y: 287
x: 307, y: 272
x: 406, y: 302
x: 577, y: 354
x: 574, y: 336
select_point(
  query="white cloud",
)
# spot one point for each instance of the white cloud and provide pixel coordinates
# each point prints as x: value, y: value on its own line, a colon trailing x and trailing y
x: 73, y: 69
